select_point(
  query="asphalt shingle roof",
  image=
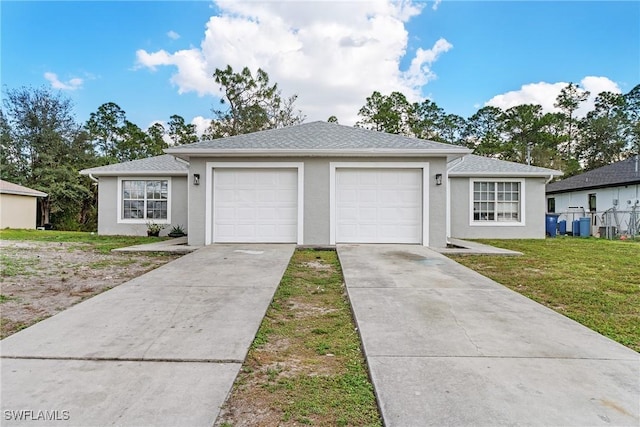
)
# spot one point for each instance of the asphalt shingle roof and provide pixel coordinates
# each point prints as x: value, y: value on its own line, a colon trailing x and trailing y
x: 479, y: 165
x: 7, y: 187
x: 165, y: 164
x: 322, y: 137
x: 620, y: 173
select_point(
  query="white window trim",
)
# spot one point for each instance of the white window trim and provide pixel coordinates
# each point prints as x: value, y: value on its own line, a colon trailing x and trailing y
x: 520, y: 223
x: 210, y: 166
x: 379, y: 165
x: 122, y: 220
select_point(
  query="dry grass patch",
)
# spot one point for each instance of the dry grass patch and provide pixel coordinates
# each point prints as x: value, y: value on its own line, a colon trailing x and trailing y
x: 305, y: 365
x: 45, y: 272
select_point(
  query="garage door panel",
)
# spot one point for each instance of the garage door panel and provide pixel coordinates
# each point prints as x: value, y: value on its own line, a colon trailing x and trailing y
x: 255, y: 205
x: 378, y: 205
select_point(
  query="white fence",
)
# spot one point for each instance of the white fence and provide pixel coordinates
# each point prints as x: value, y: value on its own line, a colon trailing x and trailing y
x: 610, y: 224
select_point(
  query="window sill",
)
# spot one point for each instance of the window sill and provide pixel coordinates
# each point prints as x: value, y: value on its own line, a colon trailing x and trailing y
x: 143, y: 221
x: 496, y: 224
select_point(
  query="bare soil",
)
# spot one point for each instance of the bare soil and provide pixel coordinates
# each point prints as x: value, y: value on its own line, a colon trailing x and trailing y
x: 40, y: 279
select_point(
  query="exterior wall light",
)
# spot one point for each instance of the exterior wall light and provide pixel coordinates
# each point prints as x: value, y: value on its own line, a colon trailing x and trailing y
x: 196, y: 179
x: 438, y: 179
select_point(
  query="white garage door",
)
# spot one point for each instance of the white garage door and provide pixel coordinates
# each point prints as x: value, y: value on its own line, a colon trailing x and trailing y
x: 378, y: 205
x: 255, y: 205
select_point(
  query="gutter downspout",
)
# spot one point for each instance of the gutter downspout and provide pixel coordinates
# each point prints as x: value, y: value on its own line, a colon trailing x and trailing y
x: 549, y: 180
x: 93, y: 178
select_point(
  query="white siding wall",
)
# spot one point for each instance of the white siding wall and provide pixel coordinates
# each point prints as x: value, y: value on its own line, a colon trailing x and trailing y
x: 604, y: 198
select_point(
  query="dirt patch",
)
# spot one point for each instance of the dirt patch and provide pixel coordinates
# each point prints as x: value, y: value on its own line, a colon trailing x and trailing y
x: 40, y: 279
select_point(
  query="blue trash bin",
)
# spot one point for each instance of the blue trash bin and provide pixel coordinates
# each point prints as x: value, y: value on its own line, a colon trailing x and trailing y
x: 552, y: 224
x: 585, y: 227
x: 575, y: 228
x: 562, y: 227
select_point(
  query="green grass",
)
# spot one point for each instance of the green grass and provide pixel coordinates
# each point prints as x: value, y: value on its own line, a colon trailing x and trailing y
x: 10, y: 266
x: 306, y: 363
x: 593, y: 281
x: 102, y: 244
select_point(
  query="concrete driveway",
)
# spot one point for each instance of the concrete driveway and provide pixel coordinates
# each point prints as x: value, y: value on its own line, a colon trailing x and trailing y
x: 160, y: 350
x: 448, y: 346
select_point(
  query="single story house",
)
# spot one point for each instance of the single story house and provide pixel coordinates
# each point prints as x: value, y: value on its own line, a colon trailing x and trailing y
x: 18, y: 206
x: 322, y: 183
x: 610, y: 195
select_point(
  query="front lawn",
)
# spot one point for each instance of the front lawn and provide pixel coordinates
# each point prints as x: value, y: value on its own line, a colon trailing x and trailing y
x: 593, y: 281
x: 103, y: 244
x: 45, y: 272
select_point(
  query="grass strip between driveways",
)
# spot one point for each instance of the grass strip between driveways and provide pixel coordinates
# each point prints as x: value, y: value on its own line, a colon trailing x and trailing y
x: 593, y: 281
x: 305, y: 365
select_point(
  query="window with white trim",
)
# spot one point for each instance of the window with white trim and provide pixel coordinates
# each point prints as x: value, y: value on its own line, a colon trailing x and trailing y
x: 496, y: 201
x: 145, y: 199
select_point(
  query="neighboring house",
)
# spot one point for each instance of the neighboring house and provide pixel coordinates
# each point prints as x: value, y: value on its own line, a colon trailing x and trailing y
x: 492, y: 198
x: 610, y: 195
x: 18, y: 205
x: 314, y: 184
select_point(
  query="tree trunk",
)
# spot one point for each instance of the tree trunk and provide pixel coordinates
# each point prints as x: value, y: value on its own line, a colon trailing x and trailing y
x: 45, y: 210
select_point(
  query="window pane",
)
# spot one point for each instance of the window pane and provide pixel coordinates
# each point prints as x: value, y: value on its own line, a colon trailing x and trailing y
x: 143, y: 199
x: 496, y: 201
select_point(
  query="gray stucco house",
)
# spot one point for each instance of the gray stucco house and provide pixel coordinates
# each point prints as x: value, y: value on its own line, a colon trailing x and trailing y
x: 320, y: 184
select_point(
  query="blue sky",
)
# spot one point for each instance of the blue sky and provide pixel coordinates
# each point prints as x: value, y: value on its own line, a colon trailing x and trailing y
x: 155, y: 59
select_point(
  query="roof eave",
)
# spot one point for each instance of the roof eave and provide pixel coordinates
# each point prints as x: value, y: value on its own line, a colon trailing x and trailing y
x: 505, y: 174
x: 134, y: 173
x: 185, y: 154
x: 24, y: 193
x: 594, y: 187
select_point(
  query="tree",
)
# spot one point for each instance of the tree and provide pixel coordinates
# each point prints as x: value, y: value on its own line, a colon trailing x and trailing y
x: 385, y: 113
x: 482, y: 132
x: 632, y: 112
x: 156, y: 134
x: 181, y: 132
x: 42, y: 149
x: 252, y: 104
x: 120, y: 140
x: 568, y: 101
x: 135, y: 144
x: 604, y: 132
x: 425, y: 120
x: 452, y: 129
x: 522, y: 132
x: 332, y: 119
x: 105, y: 128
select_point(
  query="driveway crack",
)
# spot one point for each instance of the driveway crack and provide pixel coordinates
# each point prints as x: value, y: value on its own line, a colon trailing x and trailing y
x: 173, y: 315
x: 466, y: 334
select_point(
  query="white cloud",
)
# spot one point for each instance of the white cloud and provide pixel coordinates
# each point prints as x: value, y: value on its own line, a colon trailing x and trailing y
x: 56, y: 83
x: 333, y: 55
x: 436, y: 4
x: 201, y: 124
x: 545, y: 94
x: 173, y: 35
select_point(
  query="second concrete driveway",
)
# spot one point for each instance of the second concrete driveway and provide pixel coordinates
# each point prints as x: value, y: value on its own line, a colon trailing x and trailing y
x: 162, y: 349
x: 447, y: 346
